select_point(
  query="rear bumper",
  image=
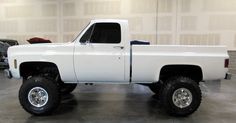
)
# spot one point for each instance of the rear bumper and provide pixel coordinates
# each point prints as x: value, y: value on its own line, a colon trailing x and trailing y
x: 7, y: 73
x: 228, y: 76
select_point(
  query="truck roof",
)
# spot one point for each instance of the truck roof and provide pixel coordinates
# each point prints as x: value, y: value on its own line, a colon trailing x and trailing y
x: 109, y: 20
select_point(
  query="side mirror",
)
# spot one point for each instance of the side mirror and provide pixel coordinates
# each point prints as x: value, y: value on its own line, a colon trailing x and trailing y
x: 84, y: 42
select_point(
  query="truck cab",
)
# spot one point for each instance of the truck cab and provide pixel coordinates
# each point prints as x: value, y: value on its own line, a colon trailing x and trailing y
x: 103, y: 52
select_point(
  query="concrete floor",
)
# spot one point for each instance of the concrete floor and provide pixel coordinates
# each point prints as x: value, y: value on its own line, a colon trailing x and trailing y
x: 120, y: 104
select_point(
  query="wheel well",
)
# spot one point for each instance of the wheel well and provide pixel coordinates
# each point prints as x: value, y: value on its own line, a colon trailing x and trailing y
x: 192, y: 71
x: 36, y: 68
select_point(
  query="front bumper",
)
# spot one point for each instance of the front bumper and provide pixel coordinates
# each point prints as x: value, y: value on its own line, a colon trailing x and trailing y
x: 8, y: 73
x: 228, y: 76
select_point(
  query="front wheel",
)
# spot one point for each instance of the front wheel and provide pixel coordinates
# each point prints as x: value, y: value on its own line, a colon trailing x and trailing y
x: 181, y: 96
x: 39, y: 95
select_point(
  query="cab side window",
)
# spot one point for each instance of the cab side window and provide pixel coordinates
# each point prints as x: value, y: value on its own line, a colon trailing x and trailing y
x: 103, y: 33
x: 106, y: 33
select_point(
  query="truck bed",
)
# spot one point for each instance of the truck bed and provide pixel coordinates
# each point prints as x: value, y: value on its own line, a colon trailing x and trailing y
x: 209, y: 58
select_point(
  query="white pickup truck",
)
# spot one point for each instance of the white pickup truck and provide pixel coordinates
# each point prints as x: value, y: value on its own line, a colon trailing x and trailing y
x: 103, y: 53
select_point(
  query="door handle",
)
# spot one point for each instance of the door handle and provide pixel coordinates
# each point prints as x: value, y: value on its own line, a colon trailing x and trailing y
x: 120, y: 47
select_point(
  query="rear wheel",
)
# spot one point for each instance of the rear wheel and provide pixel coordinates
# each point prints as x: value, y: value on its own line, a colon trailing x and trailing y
x: 181, y: 96
x: 39, y: 95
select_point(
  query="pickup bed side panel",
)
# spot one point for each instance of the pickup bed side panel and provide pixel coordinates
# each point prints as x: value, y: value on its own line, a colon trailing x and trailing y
x: 148, y: 60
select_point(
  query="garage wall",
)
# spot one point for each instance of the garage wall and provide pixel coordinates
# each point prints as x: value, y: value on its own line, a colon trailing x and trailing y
x: 207, y: 22
x: 232, y: 62
x: 61, y: 20
x: 191, y: 22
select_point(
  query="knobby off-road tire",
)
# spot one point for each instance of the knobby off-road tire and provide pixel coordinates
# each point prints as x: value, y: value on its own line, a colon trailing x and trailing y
x: 66, y: 88
x: 39, y: 95
x: 181, y: 96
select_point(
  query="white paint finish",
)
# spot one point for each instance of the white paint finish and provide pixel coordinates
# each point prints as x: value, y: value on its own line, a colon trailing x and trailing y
x: 103, y: 56
x: 148, y: 60
x: 99, y: 62
x: 59, y: 54
x: 103, y: 63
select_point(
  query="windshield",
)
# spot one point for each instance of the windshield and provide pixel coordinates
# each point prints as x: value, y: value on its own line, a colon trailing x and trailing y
x: 80, y: 32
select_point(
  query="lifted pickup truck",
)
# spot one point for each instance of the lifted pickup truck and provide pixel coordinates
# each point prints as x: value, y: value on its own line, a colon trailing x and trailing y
x: 103, y: 53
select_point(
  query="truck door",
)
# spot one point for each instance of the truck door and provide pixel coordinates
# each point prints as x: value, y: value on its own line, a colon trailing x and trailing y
x: 99, y: 54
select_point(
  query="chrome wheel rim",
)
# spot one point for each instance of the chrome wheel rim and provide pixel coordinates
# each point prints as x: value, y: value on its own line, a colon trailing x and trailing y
x: 182, y: 98
x: 38, y: 97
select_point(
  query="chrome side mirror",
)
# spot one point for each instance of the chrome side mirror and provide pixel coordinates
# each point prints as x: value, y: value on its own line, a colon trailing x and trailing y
x: 84, y: 42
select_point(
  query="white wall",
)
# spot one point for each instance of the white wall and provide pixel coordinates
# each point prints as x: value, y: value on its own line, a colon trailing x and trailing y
x: 194, y: 22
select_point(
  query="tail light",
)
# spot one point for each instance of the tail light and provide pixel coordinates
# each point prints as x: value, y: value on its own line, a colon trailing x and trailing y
x: 226, y: 63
